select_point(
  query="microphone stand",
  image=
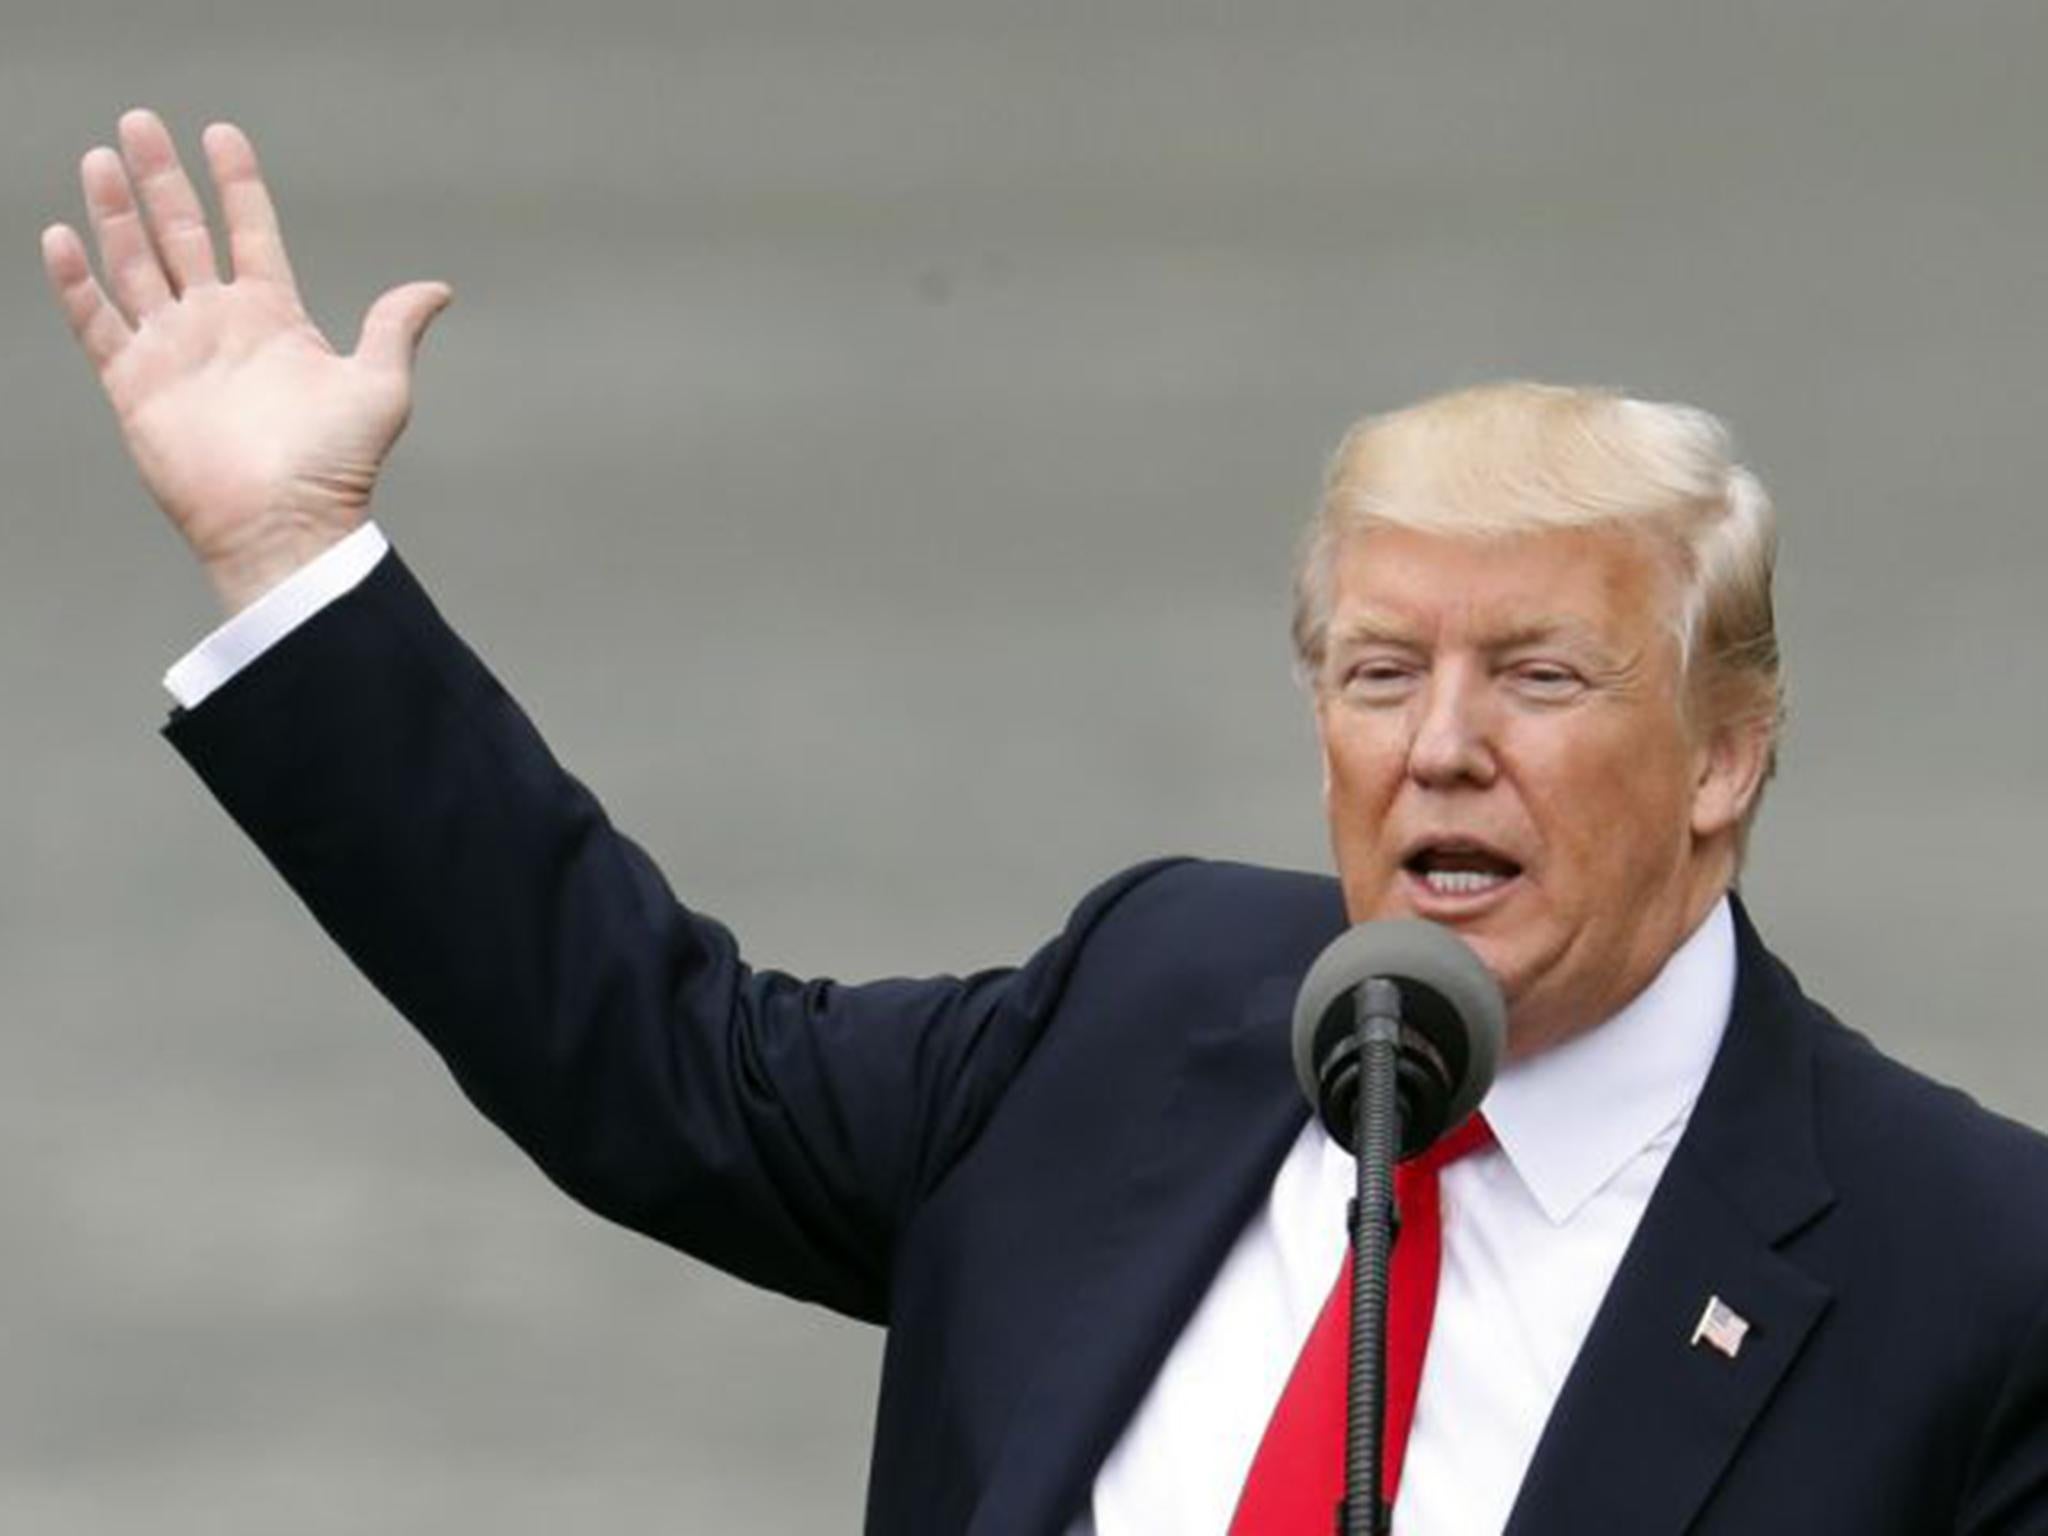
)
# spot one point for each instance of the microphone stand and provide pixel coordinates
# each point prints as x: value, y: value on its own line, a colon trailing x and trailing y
x: 1375, y: 1222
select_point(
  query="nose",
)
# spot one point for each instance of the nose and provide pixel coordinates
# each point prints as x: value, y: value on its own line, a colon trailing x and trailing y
x: 1452, y: 742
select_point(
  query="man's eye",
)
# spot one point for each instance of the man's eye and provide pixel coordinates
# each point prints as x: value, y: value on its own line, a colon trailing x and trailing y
x: 1546, y: 679
x: 1382, y: 672
x: 1377, y: 676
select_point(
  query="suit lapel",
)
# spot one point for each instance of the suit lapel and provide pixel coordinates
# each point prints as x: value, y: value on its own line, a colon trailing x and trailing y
x: 1648, y: 1420
x: 1225, y: 1127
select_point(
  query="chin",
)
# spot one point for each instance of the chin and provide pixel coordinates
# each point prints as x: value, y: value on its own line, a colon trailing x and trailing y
x: 1498, y: 958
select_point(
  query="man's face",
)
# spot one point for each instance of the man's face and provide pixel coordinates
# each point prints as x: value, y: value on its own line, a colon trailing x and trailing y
x: 1505, y: 753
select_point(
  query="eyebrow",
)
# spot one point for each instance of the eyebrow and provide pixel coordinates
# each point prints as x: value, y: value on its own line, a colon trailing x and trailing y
x: 1373, y: 629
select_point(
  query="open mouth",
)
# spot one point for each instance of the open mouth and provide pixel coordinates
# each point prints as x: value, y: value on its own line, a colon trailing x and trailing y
x: 1455, y: 870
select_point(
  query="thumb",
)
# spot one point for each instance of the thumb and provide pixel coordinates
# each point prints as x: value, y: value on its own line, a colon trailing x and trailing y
x: 394, y: 324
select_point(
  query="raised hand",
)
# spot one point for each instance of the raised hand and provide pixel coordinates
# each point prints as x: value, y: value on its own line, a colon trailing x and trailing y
x: 260, y: 442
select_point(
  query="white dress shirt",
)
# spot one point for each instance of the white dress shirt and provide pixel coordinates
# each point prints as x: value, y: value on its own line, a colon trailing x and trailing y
x: 274, y: 615
x: 1534, y: 1227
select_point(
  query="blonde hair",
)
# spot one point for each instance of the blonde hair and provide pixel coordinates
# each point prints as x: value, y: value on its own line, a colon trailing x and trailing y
x: 1510, y: 458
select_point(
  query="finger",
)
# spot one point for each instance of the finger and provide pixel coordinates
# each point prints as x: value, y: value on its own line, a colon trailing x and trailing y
x: 171, y: 209
x: 99, y: 327
x: 395, y: 323
x: 255, y: 247
x: 126, y: 256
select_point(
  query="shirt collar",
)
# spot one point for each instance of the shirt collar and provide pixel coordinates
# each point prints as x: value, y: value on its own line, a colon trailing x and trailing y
x: 1643, y: 1068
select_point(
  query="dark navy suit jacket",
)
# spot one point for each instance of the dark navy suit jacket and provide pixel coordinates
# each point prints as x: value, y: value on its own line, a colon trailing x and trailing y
x: 1031, y: 1175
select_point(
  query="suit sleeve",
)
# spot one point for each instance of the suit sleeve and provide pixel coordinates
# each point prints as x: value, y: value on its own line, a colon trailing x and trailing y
x: 779, y: 1128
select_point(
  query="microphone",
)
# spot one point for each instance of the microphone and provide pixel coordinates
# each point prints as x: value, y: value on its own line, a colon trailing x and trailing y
x: 1451, y: 1023
x: 1397, y: 1029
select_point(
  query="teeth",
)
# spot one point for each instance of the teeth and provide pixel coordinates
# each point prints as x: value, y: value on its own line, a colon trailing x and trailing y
x: 1462, y: 882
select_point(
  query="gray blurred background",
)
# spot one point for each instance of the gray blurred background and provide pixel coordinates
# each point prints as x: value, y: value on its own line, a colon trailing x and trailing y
x: 929, y: 394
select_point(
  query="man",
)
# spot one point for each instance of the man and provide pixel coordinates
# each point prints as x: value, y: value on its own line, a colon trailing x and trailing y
x: 1722, y: 1267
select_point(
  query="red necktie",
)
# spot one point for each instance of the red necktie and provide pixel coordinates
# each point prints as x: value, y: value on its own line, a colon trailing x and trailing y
x: 1297, y: 1478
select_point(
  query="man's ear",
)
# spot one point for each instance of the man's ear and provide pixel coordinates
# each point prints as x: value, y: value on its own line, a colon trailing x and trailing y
x: 1733, y: 764
x: 1323, y: 747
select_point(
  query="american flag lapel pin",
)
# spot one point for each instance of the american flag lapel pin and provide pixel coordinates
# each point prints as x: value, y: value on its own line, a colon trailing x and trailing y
x: 1721, y: 1326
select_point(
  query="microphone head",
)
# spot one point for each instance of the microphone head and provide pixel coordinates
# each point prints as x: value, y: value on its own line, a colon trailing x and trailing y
x: 1453, y: 1023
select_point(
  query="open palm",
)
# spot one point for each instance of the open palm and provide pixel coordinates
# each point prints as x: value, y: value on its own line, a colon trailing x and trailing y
x: 260, y: 442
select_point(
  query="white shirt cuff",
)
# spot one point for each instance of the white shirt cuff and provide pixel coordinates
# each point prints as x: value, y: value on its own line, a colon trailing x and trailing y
x: 274, y: 615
